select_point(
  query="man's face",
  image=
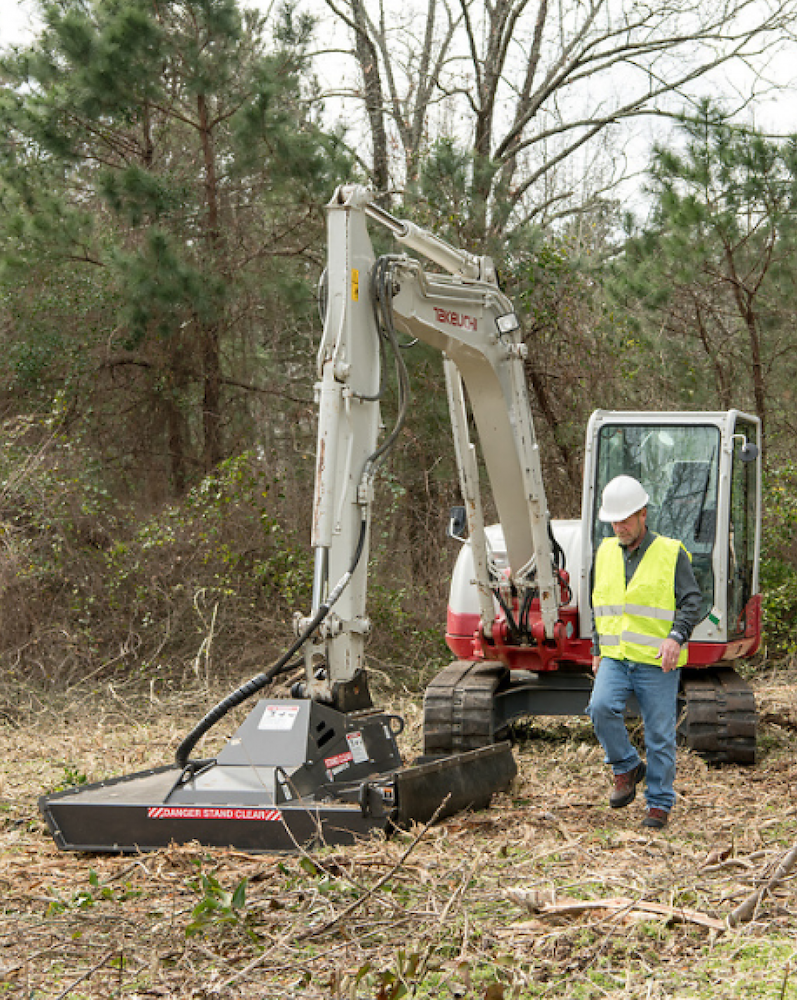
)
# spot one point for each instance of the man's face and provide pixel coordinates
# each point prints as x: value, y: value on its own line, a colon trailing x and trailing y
x: 630, y: 531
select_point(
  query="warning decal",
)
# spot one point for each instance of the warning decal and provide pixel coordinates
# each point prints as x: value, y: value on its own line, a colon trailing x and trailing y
x: 357, y: 747
x: 339, y: 761
x: 212, y: 812
x: 280, y: 717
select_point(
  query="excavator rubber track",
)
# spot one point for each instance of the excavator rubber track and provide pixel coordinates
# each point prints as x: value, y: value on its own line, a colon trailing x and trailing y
x: 717, y: 711
x: 718, y: 717
x: 458, y: 707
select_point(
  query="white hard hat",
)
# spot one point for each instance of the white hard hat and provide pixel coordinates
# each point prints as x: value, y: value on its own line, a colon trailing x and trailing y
x: 622, y: 497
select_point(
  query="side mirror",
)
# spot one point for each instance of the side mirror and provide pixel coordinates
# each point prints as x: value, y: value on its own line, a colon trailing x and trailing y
x: 749, y: 452
x: 457, y: 522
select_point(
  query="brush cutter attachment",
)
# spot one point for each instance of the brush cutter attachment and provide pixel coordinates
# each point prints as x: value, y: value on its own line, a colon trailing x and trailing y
x: 296, y: 774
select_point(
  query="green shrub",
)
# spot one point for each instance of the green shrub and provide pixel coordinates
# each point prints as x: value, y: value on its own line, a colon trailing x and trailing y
x: 97, y: 586
x: 779, y: 560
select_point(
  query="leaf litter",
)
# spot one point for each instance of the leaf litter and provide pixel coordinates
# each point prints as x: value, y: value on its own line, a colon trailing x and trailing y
x: 549, y: 893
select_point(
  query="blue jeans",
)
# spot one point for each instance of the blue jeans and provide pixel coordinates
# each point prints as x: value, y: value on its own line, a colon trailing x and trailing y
x: 656, y: 693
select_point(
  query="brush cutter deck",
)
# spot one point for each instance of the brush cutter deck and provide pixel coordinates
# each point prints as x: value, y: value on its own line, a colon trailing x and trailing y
x: 296, y: 774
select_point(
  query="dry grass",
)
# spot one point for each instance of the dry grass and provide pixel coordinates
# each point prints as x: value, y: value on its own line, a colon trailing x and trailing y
x: 427, y: 913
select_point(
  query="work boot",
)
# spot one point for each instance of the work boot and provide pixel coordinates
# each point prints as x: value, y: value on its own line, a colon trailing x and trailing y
x: 625, y: 786
x: 656, y: 819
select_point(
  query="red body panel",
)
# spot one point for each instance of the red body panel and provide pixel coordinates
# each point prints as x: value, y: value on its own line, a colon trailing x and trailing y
x: 466, y: 642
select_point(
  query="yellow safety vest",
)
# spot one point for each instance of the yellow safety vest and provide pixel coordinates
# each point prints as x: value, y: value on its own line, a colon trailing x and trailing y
x: 632, y: 621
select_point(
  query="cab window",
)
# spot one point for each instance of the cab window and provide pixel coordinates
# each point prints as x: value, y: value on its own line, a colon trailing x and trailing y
x: 678, y: 466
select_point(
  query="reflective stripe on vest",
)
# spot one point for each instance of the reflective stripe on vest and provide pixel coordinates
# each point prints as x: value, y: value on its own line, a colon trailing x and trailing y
x: 632, y: 621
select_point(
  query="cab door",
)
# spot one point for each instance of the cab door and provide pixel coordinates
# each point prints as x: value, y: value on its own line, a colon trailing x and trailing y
x: 743, y: 529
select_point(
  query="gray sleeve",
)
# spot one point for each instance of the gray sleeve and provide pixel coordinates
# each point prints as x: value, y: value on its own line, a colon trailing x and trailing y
x: 595, y: 648
x: 687, y: 599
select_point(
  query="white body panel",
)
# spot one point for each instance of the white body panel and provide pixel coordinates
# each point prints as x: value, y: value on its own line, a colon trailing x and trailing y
x: 463, y: 596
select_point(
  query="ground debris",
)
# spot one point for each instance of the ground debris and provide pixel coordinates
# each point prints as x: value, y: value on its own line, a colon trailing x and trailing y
x: 609, y: 910
x: 622, y: 906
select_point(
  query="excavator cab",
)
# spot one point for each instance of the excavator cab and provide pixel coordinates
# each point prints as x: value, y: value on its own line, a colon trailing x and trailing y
x: 702, y: 472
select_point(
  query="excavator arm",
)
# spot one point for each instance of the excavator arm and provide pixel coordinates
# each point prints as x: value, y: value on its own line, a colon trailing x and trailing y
x: 465, y: 316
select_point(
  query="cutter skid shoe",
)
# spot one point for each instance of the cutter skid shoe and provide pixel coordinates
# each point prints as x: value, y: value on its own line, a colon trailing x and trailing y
x: 656, y: 819
x: 625, y: 784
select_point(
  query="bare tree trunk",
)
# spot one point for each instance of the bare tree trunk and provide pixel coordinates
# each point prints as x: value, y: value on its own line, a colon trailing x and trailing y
x: 403, y: 93
x: 368, y: 58
x: 745, y: 303
x: 212, y: 452
x: 720, y: 376
x: 567, y: 457
x: 178, y: 444
x: 209, y: 331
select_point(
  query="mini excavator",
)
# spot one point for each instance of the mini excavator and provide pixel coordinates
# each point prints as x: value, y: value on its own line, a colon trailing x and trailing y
x: 323, y: 766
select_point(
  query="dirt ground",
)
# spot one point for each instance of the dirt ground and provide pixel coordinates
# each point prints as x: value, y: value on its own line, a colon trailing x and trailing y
x: 549, y: 893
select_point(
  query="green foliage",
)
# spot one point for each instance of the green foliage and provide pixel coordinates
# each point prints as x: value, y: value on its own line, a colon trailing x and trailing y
x: 779, y: 560
x: 163, y: 170
x: 408, y: 633
x: 221, y: 559
x: 207, y: 583
x: 95, y: 893
x: 164, y: 288
x: 219, y: 909
x: 221, y: 546
x: 577, y: 359
x: 160, y: 192
x: 709, y: 280
x: 72, y: 778
x: 445, y: 182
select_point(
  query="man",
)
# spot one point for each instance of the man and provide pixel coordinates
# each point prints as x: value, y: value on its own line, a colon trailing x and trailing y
x: 645, y: 602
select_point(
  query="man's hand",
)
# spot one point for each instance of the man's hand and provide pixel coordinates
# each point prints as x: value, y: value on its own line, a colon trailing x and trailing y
x: 596, y: 662
x: 668, y: 653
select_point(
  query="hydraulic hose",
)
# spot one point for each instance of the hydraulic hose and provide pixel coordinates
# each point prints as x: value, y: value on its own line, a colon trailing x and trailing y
x: 558, y: 551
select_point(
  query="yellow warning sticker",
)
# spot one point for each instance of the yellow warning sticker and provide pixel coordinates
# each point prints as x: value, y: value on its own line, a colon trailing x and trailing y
x: 355, y: 285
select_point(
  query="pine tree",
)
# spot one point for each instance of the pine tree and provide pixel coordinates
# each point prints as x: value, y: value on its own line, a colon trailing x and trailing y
x: 159, y: 168
x: 714, y: 268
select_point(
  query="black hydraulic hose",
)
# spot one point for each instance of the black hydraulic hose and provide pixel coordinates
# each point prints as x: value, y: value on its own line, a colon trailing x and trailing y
x: 510, y: 619
x: 382, y: 302
x: 258, y: 682
x: 558, y: 551
x: 523, y: 617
